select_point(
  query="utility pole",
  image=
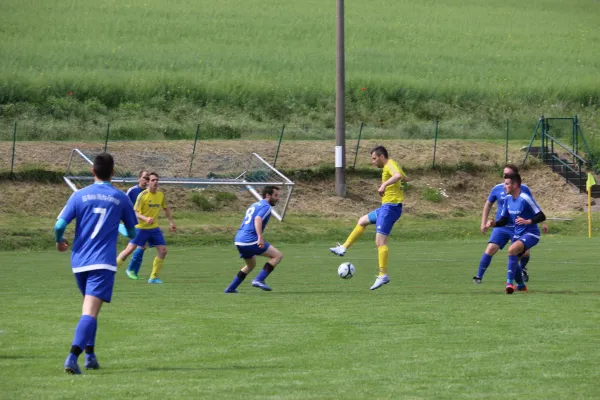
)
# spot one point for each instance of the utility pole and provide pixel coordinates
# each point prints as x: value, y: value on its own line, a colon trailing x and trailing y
x: 340, y: 106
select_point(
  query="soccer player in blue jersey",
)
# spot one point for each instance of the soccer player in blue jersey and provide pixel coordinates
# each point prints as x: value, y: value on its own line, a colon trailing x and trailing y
x: 138, y: 255
x: 384, y: 218
x: 250, y: 242
x: 147, y: 208
x: 500, y: 235
x: 524, y: 214
x: 98, y: 209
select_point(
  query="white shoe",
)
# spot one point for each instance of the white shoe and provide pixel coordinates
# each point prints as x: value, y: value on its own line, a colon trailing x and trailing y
x: 380, y: 281
x: 338, y: 250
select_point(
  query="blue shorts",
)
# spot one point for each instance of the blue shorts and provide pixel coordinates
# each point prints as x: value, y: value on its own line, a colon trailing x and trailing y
x: 252, y: 250
x: 502, y: 235
x: 152, y: 236
x: 98, y: 283
x: 385, y: 217
x: 528, y: 239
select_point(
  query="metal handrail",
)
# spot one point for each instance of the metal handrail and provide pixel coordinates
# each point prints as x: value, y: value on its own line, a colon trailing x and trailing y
x: 566, y: 148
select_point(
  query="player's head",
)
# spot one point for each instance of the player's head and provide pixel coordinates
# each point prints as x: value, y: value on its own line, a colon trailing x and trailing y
x: 512, y: 182
x: 379, y: 156
x: 271, y: 194
x: 104, y: 166
x: 153, y: 182
x: 143, y: 178
x: 510, y: 169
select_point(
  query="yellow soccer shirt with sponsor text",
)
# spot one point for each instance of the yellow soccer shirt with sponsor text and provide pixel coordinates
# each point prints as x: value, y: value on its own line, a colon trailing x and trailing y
x: 393, y: 193
x: 149, y: 205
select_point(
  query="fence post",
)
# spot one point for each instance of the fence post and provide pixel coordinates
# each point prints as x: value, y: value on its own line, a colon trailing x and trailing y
x: 194, y: 150
x: 435, y: 142
x: 12, y: 162
x: 357, y: 144
x: 278, y: 145
x: 106, y: 140
x: 506, y: 141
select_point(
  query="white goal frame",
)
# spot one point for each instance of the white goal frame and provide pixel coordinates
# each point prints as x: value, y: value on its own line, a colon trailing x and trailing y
x: 244, y: 180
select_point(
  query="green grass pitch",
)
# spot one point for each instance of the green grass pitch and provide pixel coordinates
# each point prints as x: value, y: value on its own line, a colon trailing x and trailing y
x: 430, y: 333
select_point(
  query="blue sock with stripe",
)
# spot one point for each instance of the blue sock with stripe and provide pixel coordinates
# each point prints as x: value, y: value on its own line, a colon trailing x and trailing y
x: 262, y: 275
x: 513, y: 265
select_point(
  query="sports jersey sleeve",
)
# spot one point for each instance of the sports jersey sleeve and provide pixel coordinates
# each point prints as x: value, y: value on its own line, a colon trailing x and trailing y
x: 128, y: 214
x: 531, y: 204
x: 138, y: 202
x: 69, y: 211
x: 263, y: 211
x: 492, y: 196
x: 163, y: 203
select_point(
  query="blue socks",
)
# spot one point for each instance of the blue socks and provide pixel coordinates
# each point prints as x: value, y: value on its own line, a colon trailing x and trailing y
x: 513, y: 266
x: 136, y: 260
x: 85, y: 333
x: 262, y: 275
x: 239, y: 278
x: 524, y: 261
x: 484, y: 263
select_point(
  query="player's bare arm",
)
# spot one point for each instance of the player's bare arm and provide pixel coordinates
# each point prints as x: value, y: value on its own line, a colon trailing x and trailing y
x: 258, y: 223
x: 170, y: 218
x: 487, y: 207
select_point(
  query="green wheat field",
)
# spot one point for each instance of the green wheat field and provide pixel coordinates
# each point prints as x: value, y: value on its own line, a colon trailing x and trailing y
x: 430, y: 333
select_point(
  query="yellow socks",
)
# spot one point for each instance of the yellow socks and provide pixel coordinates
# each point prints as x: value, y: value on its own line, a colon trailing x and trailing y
x: 119, y: 262
x: 354, y: 236
x: 383, y: 253
x: 156, y: 267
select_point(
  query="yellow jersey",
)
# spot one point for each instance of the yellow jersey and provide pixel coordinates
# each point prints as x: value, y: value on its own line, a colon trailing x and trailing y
x: 394, y: 193
x: 149, y: 205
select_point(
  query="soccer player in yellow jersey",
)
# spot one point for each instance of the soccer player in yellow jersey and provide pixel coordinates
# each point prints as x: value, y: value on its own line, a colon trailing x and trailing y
x: 392, y: 195
x: 147, y: 207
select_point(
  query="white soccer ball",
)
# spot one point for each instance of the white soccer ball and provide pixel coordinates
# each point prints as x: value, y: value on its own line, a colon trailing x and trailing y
x: 346, y: 270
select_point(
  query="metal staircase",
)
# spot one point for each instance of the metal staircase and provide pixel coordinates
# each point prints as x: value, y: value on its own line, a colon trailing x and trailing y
x: 564, y: 159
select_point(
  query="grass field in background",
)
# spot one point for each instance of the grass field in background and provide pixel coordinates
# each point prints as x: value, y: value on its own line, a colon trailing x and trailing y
x: 162, y: 67
x: 430, y: 333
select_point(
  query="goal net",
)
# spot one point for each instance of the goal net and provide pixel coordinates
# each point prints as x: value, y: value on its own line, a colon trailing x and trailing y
x: 249, y: 176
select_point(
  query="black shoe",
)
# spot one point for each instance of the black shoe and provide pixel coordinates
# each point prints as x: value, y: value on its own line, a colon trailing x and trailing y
x: 476, y: 280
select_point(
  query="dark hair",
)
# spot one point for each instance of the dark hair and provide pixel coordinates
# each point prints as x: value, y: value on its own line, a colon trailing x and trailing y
x: 515, y: 178
x: 513, y: 167
x: 268, y: 190
x: 104, y: 165
x: 142, y: 173
x: 379, y: 150
x: 154, y: 173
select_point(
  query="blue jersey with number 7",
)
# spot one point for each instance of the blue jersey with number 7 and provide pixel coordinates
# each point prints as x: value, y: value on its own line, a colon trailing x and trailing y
x: 247, y: 233
x: 98, y: 209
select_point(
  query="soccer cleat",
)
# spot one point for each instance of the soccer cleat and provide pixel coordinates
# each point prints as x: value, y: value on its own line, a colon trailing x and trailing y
x: 91, y: 362
x: 476, y: 280
x: 131, y: 274
x: 525, y: 275
x: 230, y: 291
x: 522, y: 288
x: 261, y: 285
x: 380, y: 281
x: 71, y: 366
x: 338, y: 250
x: 155, y: 280
x: 510, y: 288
